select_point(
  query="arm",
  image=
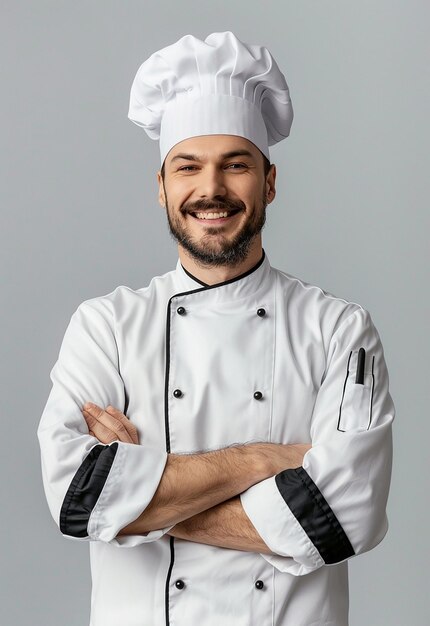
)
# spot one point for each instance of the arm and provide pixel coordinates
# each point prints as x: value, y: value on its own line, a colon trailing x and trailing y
x: 334, y: 506
x: 93, y: 490
x: 225, y: 525
x: 195, y: 483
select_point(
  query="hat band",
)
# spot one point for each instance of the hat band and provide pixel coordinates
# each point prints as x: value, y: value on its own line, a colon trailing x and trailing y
x: 214, y: 114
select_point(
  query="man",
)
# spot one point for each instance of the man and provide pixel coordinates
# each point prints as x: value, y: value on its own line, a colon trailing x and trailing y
x: 222, y: 437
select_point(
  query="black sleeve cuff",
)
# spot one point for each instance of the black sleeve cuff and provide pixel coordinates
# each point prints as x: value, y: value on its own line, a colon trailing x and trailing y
x: 85, y: 489
x: 313, y: 513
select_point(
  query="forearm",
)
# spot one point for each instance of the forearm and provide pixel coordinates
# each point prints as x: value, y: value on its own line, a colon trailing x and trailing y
x: 193, y: 483
x: 225, y: 525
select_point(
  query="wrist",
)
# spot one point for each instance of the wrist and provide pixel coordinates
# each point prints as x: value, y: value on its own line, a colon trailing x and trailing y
x: 260, y: 461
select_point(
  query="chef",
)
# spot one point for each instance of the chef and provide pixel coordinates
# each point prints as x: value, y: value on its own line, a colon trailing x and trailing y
x: 221, y: 437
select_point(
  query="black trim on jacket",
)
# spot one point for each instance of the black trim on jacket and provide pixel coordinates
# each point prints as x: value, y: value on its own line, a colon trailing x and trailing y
x: 313, y: 513
x: 225, y: 282
x: 85, y: 489
x: 373, y: 387
x: 343, y: 393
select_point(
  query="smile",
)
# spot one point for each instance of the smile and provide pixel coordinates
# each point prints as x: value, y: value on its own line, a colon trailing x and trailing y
x: 214, y: 216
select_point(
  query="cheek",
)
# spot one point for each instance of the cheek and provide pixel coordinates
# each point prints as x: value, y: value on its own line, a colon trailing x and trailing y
x: 179, y: 198
x: 248, y: 191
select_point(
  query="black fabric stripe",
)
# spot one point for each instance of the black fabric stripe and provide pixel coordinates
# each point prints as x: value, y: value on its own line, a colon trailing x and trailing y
x: 194, y: 277
x: 85, y: 489
x: 169, y: 574
x: 371, y: 397
x: 225, y: 282
x: 313, y: 513
x: 343, y: 393
x: 166, y: 378
x: 167, y: 432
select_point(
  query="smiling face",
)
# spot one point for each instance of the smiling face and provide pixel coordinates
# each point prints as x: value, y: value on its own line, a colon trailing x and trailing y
x: 215, y: 192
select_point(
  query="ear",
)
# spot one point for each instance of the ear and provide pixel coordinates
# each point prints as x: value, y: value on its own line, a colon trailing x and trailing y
x: 161, y: 196
x: 270, y: 184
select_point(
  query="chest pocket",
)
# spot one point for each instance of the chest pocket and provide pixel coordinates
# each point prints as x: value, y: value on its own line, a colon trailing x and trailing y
x: 355, y: 411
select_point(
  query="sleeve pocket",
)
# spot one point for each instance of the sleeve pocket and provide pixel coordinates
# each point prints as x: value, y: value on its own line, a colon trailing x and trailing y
x: 355, y: 411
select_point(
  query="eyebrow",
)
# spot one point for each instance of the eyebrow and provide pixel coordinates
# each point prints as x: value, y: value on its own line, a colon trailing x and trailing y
x: 226, y: 155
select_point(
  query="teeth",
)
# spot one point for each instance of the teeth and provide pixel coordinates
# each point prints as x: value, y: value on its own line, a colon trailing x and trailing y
x: 211, y: 216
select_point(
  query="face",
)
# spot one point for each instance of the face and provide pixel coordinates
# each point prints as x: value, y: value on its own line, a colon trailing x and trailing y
x: 215, y: 198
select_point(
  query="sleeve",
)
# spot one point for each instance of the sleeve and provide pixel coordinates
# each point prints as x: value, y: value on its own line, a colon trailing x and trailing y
x: 334, y: 506
x: 93, y: 490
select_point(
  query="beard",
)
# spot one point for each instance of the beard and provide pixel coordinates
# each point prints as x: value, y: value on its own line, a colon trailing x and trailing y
x: 213, y: 248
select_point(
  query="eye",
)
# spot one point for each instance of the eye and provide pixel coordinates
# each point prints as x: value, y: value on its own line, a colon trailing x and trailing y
x: 239, y: 164
x: 192, y: 167
x: 186, y: 167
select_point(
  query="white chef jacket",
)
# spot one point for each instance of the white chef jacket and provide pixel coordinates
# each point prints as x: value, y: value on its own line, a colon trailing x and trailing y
x: 261, y: 357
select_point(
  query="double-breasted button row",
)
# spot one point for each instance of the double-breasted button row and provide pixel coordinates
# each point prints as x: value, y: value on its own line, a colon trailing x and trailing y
x: 178, y: 394
x: 182, y: 311
x: 179, y: 584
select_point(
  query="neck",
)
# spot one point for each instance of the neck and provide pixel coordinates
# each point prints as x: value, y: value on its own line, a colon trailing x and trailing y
x: 212, y: 275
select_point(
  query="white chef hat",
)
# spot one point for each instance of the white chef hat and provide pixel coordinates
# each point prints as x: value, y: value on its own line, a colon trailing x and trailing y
x: 212, y: 87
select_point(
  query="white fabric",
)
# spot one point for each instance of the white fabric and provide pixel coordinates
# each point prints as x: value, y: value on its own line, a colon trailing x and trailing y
x: 220, y: 353
x: 216, y: 86
x: 87, y: 370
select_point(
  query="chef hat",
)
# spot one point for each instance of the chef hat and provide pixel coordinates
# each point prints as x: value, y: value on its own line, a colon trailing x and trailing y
x: 216, y: 86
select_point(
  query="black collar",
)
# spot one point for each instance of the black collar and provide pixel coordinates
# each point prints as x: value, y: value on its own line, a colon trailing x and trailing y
x: 231, y: 280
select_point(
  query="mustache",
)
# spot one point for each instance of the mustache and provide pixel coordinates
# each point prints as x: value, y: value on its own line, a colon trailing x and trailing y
x: 206, y: 205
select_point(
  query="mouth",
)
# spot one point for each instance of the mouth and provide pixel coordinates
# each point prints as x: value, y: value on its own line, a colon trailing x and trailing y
x: 215, y: 216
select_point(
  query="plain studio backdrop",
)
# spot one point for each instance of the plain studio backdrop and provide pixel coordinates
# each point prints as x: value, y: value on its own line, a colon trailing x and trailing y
x: 80, y: 216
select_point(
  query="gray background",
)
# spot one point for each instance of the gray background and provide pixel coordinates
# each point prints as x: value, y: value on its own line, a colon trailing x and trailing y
x: 80, y: 216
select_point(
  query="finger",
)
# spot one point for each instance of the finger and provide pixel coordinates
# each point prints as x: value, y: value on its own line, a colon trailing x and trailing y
x: 130, y: 427
x: 110, y: 422
x: 100, y: 432
x: 116, y: 413
x: 90, y: 420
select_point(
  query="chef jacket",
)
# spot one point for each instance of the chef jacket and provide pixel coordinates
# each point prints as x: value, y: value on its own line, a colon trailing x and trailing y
x: 261, y: 357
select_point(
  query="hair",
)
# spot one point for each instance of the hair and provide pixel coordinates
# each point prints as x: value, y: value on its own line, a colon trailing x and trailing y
x: 265, y: 159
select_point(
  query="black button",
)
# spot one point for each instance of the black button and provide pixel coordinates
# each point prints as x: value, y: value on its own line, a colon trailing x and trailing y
x: 261, y: 312
x: 180, y: 310
x: 180, y: 584
x: 177, y: 393
x: 259, y: 584
x: 258, y: 395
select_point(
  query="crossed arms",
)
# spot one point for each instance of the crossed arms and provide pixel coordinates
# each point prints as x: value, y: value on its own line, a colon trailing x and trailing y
x: 198, y: 494
x: 301, y: 507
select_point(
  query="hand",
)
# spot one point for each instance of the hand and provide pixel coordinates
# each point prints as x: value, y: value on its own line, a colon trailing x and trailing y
x: 109, y: 424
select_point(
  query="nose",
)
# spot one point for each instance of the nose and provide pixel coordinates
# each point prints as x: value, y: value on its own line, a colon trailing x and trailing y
x: 211, y: 183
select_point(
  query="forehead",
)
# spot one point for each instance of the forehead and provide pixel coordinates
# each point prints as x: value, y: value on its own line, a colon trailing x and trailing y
x: 206, y: 147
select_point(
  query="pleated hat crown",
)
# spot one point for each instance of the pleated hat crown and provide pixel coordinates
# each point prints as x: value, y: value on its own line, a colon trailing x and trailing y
x: 216, y: 86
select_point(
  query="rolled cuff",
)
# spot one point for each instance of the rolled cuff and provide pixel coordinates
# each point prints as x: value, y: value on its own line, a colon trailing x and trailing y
x: 131, y: 484
x: 279, y: 529
x: 110, y: 490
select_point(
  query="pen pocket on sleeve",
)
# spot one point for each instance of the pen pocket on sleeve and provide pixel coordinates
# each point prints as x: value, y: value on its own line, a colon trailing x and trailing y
x: 355, y: 411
